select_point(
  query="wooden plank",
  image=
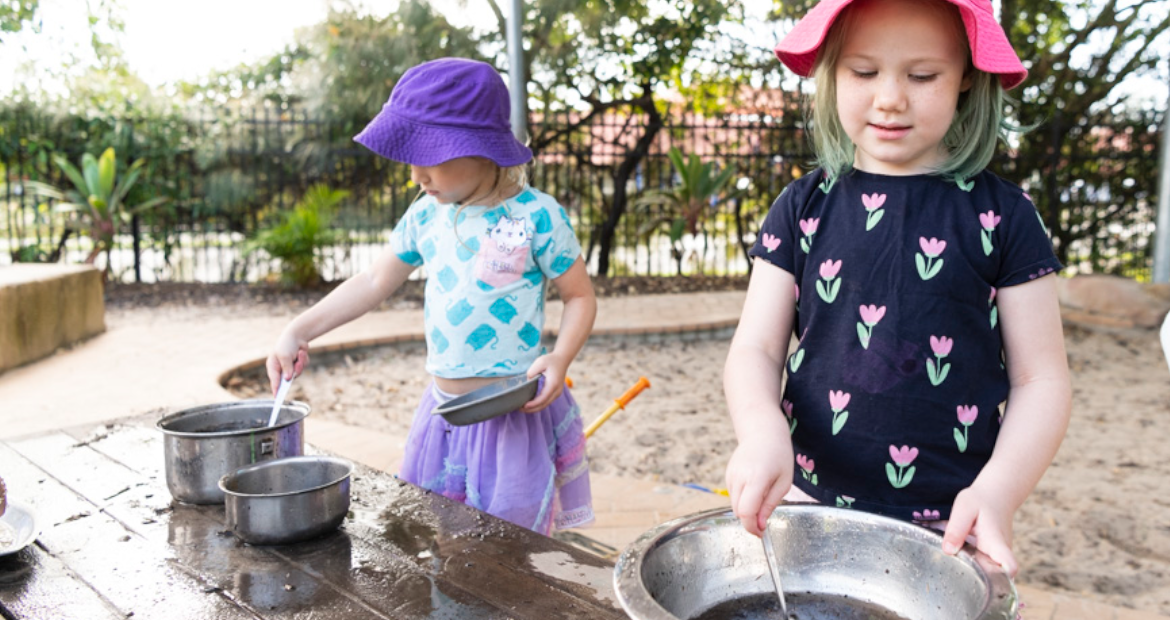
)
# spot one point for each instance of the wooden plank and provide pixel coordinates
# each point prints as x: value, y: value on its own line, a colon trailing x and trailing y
x: 34, y: 584
x: 386, y: 582
x: 188, y: 538
x: 545, y: 576
x: 404, y: 552
x: 128, y: 574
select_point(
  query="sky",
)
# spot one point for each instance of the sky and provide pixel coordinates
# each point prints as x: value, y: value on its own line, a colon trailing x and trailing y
x: 170, y: 40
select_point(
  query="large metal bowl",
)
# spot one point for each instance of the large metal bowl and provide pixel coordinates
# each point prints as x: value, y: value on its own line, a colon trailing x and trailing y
x: 202, y: 444
x: 684, y: 568
x: 287, y: 500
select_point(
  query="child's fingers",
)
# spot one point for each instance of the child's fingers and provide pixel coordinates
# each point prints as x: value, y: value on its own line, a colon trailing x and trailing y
x: 999, y: 551
x: 302, y: 360
x: 748, y: 508
x: 274, y: 372
x: 771, y: 501
x: 958, y: 527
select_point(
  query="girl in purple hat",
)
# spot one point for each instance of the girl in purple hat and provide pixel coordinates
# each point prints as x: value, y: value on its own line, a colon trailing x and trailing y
x: 490, y: 244
x: 920, y: 288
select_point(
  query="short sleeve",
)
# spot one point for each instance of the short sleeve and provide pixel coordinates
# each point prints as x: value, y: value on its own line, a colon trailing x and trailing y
x: 1024, y: 241
x: 777, y: 239
x: 405, y: 236
x: 554, y: 243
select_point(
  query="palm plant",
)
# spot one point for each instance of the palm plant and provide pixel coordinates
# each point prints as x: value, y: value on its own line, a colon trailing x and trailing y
x: 686, y: 205
x: 301, y: 235
x: 96, y: 202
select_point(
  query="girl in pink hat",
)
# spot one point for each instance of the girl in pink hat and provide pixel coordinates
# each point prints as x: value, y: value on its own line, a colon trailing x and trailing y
x: 490, y: 243
x: 928, y: 381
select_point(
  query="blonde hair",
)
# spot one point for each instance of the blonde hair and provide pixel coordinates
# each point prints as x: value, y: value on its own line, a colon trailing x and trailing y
x: 511, y: 176
x: 970, y: 142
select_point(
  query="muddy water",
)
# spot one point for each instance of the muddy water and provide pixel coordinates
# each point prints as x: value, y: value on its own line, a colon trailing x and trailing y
x: 801, y: 606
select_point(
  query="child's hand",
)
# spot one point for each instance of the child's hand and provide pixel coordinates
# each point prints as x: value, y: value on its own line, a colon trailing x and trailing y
x: 288, y: 359
x: 758, y: 475
x: 981, y: 513
x: 553, y: 369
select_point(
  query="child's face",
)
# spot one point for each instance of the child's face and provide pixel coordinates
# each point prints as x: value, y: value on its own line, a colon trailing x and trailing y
x: 901, y: 69
x: 456, y: 180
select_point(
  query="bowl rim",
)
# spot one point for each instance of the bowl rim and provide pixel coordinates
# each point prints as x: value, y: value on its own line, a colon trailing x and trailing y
x: 27, y: 539
x: 635, y: 598
x: 464, y: 403
x: 299, y: 406
x: 347, y: 464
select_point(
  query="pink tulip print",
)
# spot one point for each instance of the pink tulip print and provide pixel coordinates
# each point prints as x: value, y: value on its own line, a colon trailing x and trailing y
x: 806, y: 468
x: 873, y: 206
x: 828, y: 286
x: 936, y: 370
x: 838, y: 401
x: 786, y: 405
x: 809, y: 228
x: 770, y: 241
x: 845, y: 501
x: 967, y: 415
x: 827, y: 183
x: 988, y: 221
x: 928, y: 260
x: 902, y: 457
x: 927, y: 515
x: 870, y: 315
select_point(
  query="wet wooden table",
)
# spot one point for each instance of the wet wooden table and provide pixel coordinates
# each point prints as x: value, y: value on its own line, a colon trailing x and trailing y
x: 112, y: 545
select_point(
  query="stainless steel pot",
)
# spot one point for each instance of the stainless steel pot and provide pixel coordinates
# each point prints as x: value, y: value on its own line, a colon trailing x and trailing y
x: 202, y: 444
x: 686, y: 567
x: 287, y: 500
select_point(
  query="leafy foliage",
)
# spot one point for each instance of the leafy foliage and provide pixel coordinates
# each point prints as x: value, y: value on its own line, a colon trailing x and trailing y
x: 96, y: 201
x: 686, y: 205
x: 301, y: 235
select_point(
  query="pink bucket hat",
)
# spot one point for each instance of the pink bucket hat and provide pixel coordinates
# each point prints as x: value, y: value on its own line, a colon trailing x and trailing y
x: 990, y: 50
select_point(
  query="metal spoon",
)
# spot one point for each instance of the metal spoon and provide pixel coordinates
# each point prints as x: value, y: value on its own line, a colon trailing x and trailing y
x: 281, y: 392
x: 774, y: 565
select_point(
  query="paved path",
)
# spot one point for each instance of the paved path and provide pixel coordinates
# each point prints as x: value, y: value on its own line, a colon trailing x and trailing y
x: 166, y: 364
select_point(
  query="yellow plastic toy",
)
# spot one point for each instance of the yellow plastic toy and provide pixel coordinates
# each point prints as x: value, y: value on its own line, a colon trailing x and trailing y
x: 619, y: 403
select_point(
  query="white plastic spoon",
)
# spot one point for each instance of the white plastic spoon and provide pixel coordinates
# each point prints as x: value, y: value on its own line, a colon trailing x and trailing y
x: 281, y: 392
x: 774, y: 567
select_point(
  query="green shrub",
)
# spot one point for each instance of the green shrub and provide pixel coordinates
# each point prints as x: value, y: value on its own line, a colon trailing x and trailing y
x: 301, y: 235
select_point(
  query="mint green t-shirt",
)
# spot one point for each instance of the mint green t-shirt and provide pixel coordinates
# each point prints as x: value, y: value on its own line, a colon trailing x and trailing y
x: 484, y: 303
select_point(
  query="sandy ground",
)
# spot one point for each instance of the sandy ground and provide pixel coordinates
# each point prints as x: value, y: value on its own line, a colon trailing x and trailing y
x: 1097, y: 525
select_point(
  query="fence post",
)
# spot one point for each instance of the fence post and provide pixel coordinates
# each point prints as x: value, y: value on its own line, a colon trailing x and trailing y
x: 1162, y: 229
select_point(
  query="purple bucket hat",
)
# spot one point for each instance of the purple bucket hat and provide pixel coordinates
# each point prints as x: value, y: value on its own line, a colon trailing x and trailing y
x: 444, y: 109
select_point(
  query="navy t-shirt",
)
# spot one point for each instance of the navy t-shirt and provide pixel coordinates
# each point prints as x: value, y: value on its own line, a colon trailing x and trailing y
x: 893, y: 394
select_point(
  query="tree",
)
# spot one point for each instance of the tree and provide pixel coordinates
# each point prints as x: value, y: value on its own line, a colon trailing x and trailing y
x: 16, y: 14
x: 1077, y: 53
x: 600, y: 57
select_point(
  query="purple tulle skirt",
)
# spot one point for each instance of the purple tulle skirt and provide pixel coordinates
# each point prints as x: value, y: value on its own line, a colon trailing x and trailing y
x: 529, y: 469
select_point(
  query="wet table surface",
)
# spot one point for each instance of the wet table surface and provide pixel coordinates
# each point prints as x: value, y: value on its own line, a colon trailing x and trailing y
x: 113, y: 545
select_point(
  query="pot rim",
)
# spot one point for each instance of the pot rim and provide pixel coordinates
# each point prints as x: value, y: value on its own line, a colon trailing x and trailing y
x: 635, y: 598
x: 348, y: 465
x: 298, y: 406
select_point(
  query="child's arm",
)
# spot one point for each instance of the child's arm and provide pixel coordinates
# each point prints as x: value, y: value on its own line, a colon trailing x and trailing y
x: 355, y: 297
x: 760, y: 470
x: 1034, y: 422
x: 576, y: 290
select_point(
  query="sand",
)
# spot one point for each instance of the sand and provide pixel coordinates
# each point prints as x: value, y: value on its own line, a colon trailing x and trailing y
x: 1098, y: 525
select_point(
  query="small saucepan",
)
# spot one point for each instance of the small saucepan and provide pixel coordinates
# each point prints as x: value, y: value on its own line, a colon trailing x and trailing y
x: 287, y: 500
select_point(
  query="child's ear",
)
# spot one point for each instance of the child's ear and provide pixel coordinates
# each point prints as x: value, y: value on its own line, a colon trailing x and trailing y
x: 968, y: 78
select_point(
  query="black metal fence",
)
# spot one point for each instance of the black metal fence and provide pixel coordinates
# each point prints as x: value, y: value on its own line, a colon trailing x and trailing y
x: 228, y: 175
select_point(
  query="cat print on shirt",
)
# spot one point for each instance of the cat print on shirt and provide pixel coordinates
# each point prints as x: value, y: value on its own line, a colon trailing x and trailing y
x: 503, y: 257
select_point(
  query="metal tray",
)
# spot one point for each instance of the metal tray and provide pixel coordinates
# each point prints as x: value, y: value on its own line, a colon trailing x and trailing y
x: 489, y: 401
x: 18, y: 528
